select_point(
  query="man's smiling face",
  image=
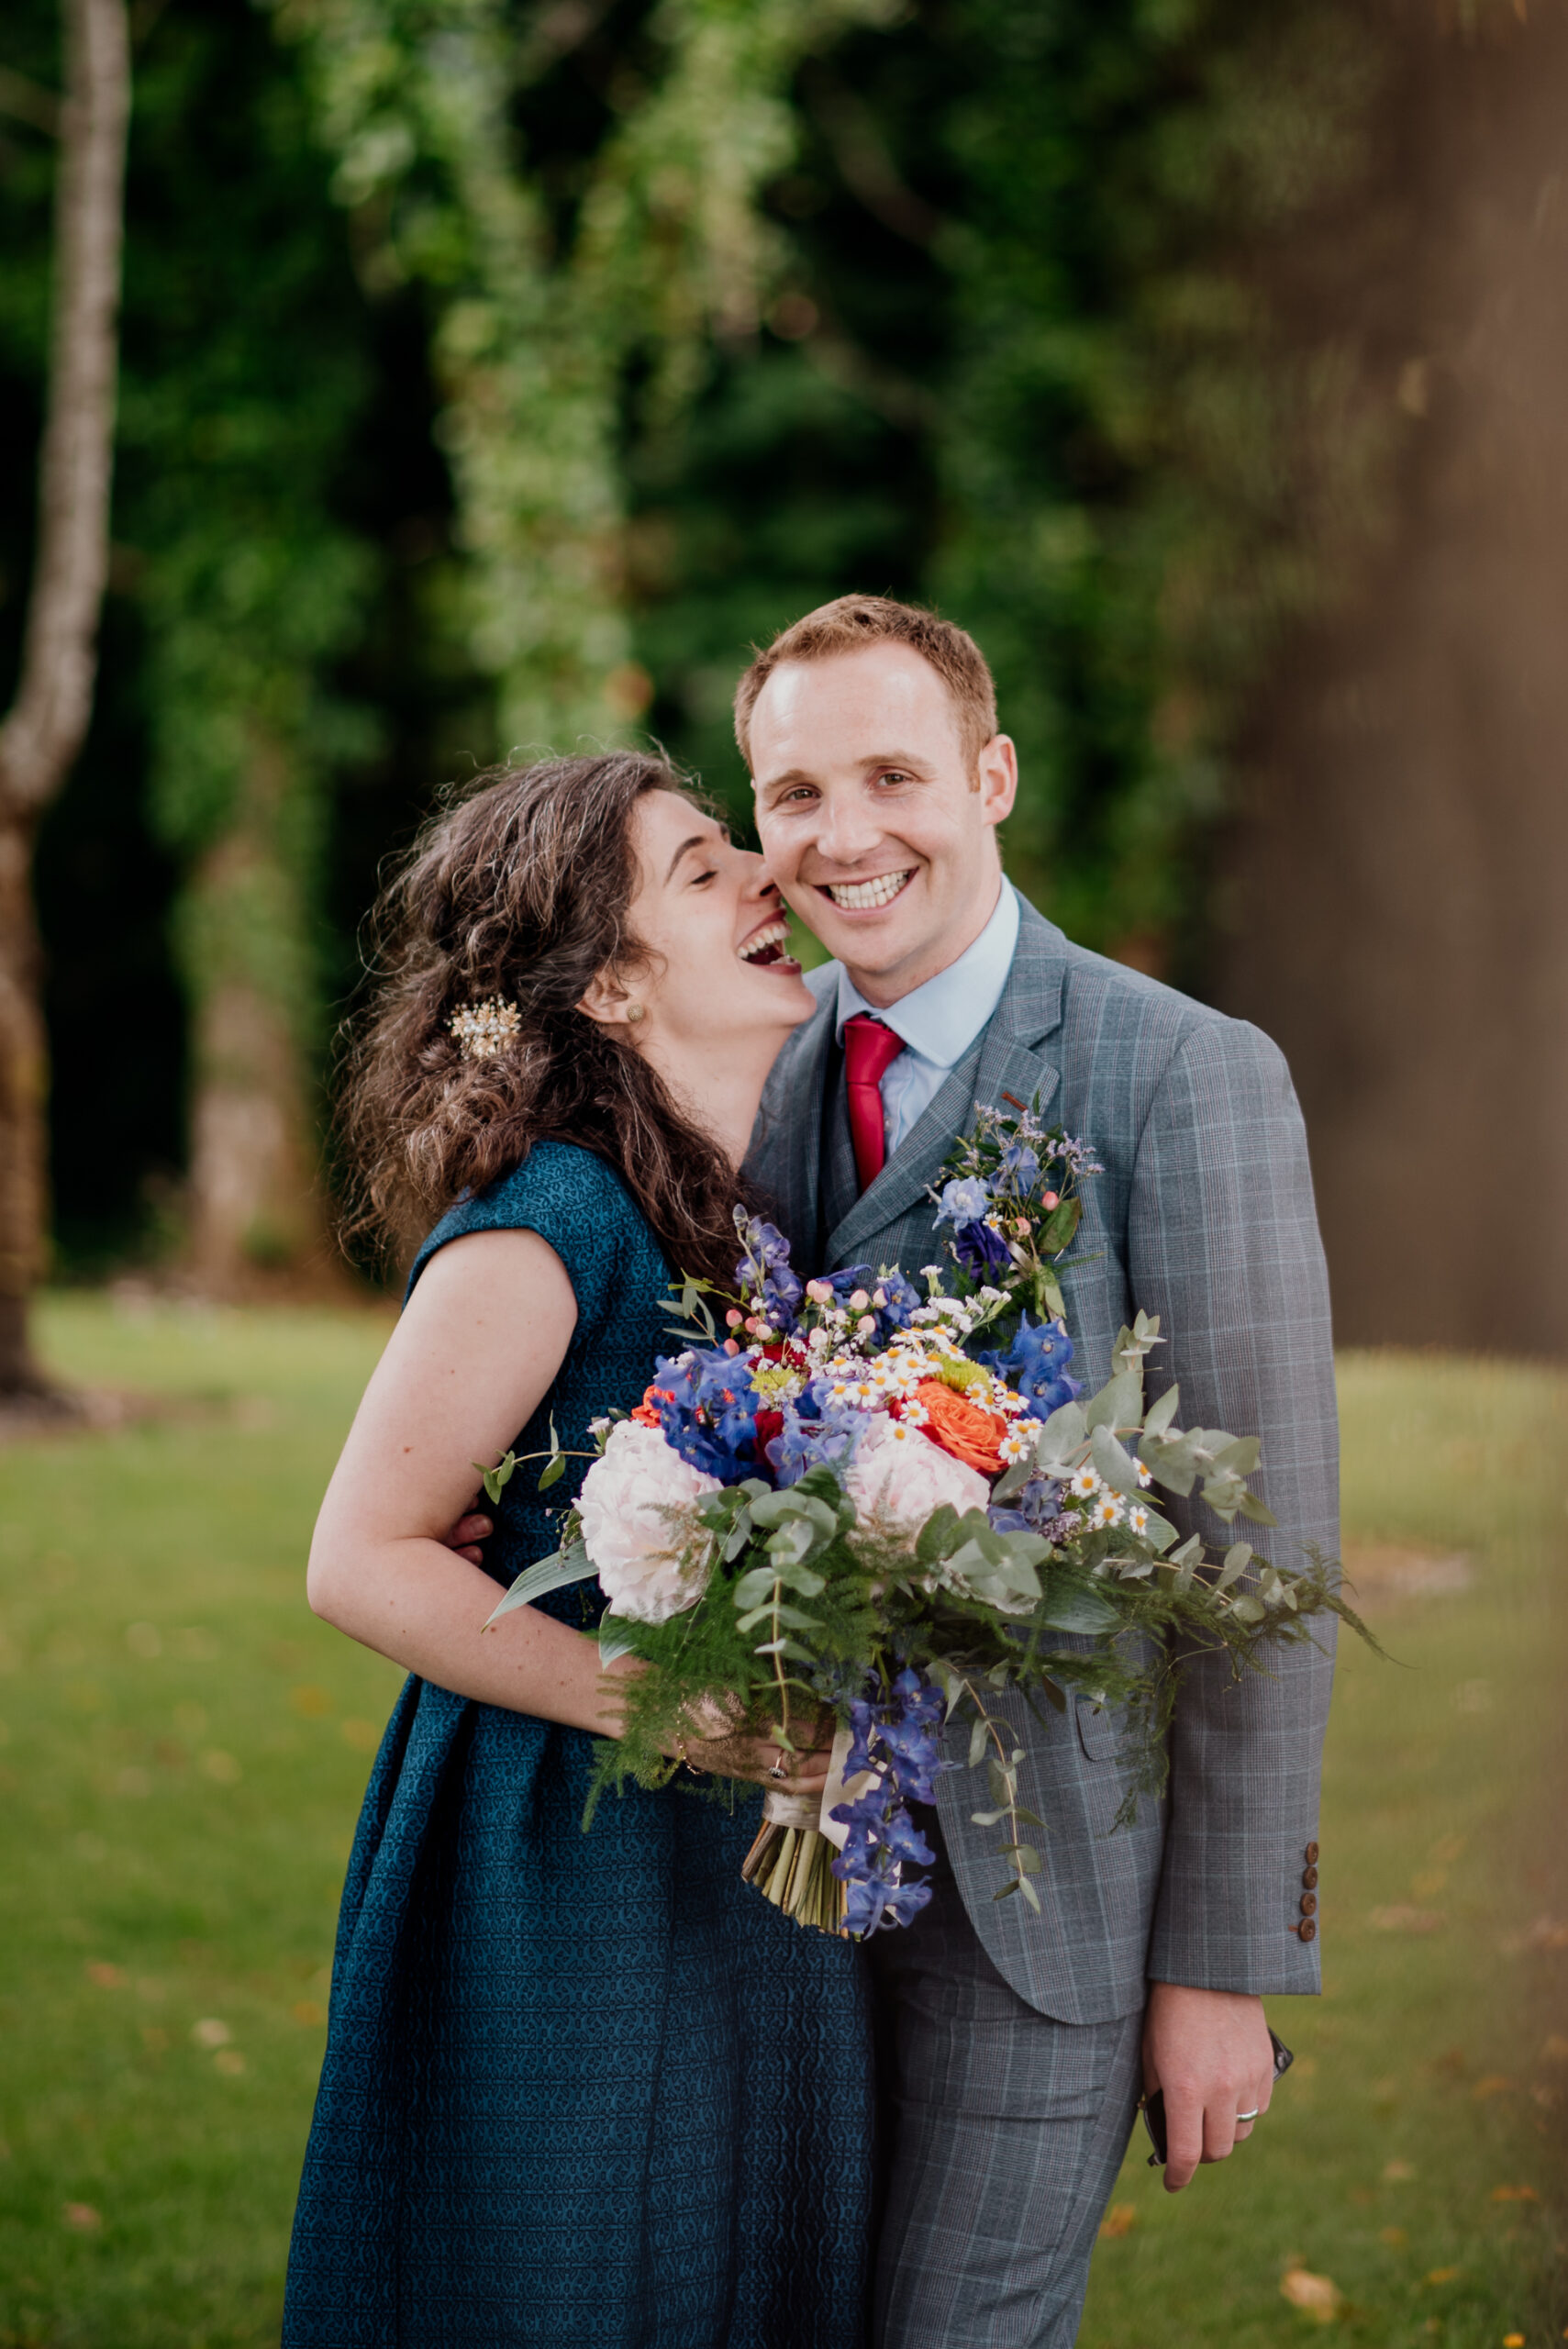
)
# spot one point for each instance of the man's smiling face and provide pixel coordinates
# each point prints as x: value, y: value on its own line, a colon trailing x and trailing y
x: 875, y: 821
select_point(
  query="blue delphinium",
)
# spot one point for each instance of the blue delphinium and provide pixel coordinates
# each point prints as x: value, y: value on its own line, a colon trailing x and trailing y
x: 708, y: 1411
x: 1037, y: 1362
x: 765, y: 1274
x: 1036, y: 1508
x: 966, y: 1200
x: 982, y: 1251
x: 898, y: 1742
x: 1023, y: 1168
x: 815, y: 1441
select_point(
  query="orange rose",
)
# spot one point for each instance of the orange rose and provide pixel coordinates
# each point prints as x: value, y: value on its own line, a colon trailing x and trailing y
x: 647, y: 1411
x: 961, y: 1428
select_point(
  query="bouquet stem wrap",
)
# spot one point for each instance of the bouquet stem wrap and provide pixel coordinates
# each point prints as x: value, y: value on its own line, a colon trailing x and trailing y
x: 790, y: 1862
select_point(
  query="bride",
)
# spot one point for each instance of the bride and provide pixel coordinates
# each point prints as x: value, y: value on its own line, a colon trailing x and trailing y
x: 582, y: 2091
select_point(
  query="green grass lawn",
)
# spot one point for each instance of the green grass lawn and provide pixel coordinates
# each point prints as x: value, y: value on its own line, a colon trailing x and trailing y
x: 183, y: 1748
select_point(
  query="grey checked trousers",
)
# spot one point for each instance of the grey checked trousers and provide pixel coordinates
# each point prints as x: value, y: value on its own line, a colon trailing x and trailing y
x: 1004, y: 2132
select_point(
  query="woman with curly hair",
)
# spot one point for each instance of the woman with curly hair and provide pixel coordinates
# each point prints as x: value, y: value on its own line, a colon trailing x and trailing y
x: 579, y: 2092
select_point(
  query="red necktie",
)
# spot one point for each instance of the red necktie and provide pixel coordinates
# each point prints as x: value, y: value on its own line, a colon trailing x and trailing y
x: 870, y: 1051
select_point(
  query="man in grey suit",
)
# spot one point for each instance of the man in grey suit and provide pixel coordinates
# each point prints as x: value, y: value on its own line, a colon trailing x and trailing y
x: 1016, y: 2043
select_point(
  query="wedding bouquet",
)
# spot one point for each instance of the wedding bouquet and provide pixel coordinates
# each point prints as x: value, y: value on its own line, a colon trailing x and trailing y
x: 888, y: 1503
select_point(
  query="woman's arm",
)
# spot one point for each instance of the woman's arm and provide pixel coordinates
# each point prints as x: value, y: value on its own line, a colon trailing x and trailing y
x: 476, y: 1349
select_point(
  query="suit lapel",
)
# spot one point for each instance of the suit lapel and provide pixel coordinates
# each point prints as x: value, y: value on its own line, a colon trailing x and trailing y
x: 786, y: 1146
x: 1006, y: 1060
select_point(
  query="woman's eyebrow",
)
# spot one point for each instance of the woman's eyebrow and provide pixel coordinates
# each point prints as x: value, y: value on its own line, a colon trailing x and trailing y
x: 698, y: 839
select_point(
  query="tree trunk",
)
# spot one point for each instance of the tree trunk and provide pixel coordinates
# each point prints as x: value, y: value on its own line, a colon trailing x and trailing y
x: 24, y: 1060
x: 44, y: 728
x: 1401, y: 873
x: 256, y: 1211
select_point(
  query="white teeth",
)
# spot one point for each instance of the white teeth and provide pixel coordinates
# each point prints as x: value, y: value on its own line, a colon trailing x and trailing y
x: 856, y: 896
x: 775, y: 934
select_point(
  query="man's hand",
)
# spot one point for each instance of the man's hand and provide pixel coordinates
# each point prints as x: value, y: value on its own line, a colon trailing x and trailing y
x: 468, y: 1533
x: 1209, y: 2051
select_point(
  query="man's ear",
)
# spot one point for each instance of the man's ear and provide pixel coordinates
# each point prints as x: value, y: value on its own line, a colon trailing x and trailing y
x: 997, y: 773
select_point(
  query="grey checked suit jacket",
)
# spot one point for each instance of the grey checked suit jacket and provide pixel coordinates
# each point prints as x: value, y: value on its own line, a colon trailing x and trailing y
x: 1203, y: 1214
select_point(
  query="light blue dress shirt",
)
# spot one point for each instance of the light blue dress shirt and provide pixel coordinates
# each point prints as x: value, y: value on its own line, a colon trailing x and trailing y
x: 938, y: 1021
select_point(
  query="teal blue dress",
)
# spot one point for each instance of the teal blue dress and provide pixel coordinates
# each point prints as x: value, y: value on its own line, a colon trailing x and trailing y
x: 580, y: 2091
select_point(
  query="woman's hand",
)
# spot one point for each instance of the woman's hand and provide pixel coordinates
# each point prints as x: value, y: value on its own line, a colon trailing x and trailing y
x: 804, y: 1761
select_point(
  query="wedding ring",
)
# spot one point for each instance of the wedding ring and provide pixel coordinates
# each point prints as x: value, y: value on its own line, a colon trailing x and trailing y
x: 778, y: 1770
x: 1248, y: 2116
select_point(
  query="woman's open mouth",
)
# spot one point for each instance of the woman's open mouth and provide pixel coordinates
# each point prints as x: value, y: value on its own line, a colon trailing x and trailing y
x: 866, y: 896
x: 768, y: 949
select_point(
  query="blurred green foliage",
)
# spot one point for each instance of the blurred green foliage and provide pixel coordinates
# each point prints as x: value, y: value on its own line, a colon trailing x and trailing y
x: 495, y: 372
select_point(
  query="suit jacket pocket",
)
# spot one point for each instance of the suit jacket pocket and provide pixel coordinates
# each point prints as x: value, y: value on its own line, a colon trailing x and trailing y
x: 1099, y: 1731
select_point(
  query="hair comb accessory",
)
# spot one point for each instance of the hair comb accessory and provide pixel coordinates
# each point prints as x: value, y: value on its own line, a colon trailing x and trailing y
x: 485, y: 1030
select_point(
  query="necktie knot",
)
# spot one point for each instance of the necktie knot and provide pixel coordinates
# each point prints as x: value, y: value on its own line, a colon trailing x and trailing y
x: 870, y: 1050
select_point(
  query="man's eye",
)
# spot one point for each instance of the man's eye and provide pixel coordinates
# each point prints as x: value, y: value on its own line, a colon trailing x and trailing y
x: 801, y: 791
x: 895, y: 774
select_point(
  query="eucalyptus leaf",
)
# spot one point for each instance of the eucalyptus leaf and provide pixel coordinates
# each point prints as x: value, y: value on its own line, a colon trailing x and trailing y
x: 1113, y: 1464
x: 552, y: 1471
x: 563, y: 1566
x: 1030, y: 1895
x: 1076, y: 1608
x: 939, y: 1537
x: 977, y: 1741
x: 1238, y: 1558
x: 1117, y: 1405
x: 1161, y: 1411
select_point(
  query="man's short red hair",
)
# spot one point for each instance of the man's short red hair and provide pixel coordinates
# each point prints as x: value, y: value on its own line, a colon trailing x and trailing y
x: 852, y: 622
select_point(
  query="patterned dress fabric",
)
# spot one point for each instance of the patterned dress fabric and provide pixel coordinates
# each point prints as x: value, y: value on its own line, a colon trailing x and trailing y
x: 580, y: 2091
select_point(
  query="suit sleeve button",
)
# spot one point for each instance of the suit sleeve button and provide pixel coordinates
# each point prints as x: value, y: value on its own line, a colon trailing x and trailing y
x: 1309, y: 1904
x: 1312, y: 1855
x: 1309, y: 1878
x: 1308, y: 1929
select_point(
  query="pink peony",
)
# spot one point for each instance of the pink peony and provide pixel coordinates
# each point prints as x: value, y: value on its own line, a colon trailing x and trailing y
x: 626, y: 1535
x: 899, y: 1476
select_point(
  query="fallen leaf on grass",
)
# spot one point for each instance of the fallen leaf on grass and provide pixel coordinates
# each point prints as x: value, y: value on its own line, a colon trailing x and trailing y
x: 1440, y: 2275
x: 1513, y: 2194
x: 1513, y: 2340
x: 311, y: 2012
x: 1400, y: 1917
x: 310, y: 1700
x: 1397, y: 2173
x: 210, y: 2033
x: 220, y: 1767
x: 83, y: 2217
x: 229, y: 2061
x: 1317, y: 2297
x: 1556, y: 2049
x: 1495, y: 2084
x: 1395, y: 2237
x: 107, y: 1976
x: 154, y: 2038
x: 1547, y: 1933
x: 1119, y: 2219
x: 363, y: 1736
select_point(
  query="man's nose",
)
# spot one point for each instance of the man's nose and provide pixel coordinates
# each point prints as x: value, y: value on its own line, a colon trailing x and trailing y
x: 847, y: 831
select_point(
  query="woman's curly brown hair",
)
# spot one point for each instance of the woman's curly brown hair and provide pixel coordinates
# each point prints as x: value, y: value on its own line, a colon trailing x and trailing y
x: 522, y: 890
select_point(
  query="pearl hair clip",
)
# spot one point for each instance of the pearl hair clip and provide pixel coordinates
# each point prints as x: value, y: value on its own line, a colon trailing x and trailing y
x: 485, y: 1030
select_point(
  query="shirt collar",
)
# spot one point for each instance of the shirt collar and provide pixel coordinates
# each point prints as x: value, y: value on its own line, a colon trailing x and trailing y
x: 941, y: 1018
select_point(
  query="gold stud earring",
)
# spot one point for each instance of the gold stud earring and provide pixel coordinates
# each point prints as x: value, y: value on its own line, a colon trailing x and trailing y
x: 633, y: 1013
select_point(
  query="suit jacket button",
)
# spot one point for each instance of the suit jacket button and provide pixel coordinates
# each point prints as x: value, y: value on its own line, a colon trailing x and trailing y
x: 1307, y: 1927
x: 1312, y: 1855
x: 1309, y: 1878
x: 1309, y: 1904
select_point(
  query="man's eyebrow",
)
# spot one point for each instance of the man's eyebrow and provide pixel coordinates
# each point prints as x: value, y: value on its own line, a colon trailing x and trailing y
x: 698, y: 839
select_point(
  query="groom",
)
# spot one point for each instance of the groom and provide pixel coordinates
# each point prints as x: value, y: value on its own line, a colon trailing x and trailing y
x: 1016, y: 2044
